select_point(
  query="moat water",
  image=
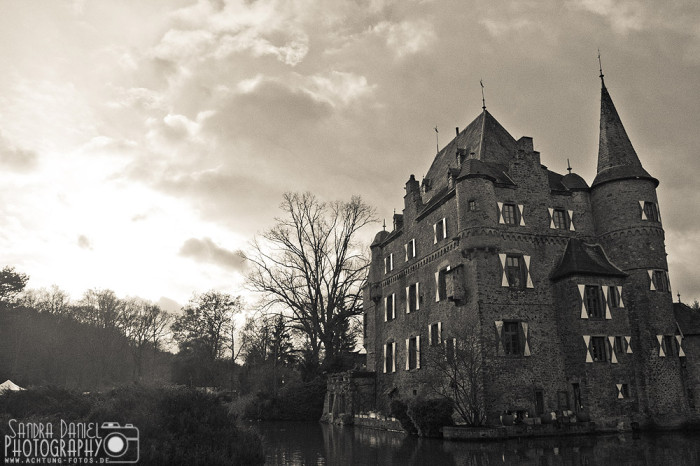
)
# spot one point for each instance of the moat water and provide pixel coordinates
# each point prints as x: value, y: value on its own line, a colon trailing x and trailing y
x: 289, y: 443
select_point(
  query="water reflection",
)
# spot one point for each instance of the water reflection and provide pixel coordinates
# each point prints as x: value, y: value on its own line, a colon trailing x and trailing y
x: 289, y: 443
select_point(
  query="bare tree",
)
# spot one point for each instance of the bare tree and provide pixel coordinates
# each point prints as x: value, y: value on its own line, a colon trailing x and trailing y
x: 455, y: 373
x: 206, y: 326
x: 311, y: 266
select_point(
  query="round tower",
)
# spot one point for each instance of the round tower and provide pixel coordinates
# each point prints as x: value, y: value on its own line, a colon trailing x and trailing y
x: 628, y: 226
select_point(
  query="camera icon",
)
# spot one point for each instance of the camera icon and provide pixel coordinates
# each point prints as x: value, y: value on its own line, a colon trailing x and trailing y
x: 120, y: 443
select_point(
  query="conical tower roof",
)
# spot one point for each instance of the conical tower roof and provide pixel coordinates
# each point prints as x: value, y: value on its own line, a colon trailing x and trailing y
x: 617, y: 158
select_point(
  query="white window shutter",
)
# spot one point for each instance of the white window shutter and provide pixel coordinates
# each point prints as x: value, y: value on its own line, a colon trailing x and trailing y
x: 386, y: 265
x: 679, y: 339
x: 444, y: 228
x: 526, y: 350
x: 504, y: 279
x: 408, y: 359
x: 527, y: 266
x: 619, y: 293
x: 391, y: 261
x: 437, y: 286
x: 571, y: 220
x: 522, y: 219
x: 385, y: 358
x: 500, y: 213
x: 658, y: 211
x: 393, y: 305
x: 606, y: 291
x: 408, y: 300
x: 414, y: 253
x: 587, y: 341
x: 551, y: 218
x: 417, y: 296
x: 628, y: 339
x: 439, y: 324
x: 434, y: 233
x: 454, y: 347
x: 393, y: 356
x: 662, y: 353
x: 619, y: 390
x: 582, y: 292
x: 499, y: 329
x: 386, y: 314
x: 613, y: 357
x: 405, y: 248
x: 418, y: 352
x: 644, y: 214
x: 430, y: 334
x: 651, y: 280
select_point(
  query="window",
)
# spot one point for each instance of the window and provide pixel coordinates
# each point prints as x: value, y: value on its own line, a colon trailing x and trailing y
x: 413, y: 353
x: 515, y: 272
x: 650, y: 211
x: 598, y: 350
x: 411, y: 249
x: 435, y: 334
x: 539, y: 402
x: 669, y: 345
x: 559, y: 219
x: 390, y: 357
x: 594, y: 301
x: 509, y: 214
x: 659, y: 280
x: 450, y: 349
x: 619, y: 351
x: 563, y: 400
x: 441, y: 284
x: 511, y: 338
x: 389, y: 263
x: 412, y: 298
x: 613, y: 297
x: 623, y: 390
x: 472, y: 205
x: 390, y: 307
x: 440, y: 230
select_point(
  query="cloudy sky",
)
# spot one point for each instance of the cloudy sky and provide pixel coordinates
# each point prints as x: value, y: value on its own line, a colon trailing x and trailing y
x: 143, y: 143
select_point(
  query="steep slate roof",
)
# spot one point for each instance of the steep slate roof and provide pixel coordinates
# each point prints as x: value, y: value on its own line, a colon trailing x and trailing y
x: 617, y: 158
x: 585, y: 259
x: 490, y: 143
x: 687, y: 318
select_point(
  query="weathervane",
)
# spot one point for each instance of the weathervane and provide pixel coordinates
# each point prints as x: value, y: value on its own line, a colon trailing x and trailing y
x: 568, y: 166
x: 483, y: 99
x: 600, y: 65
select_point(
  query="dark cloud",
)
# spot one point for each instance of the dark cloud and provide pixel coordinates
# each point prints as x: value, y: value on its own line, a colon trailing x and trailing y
x: 84, y: 242
x: 15, y: 158
x: 205, y: 250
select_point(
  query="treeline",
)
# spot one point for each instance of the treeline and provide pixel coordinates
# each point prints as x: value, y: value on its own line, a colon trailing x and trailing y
x: 97, y: 341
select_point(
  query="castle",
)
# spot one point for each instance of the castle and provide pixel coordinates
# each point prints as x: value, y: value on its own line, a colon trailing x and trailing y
x: 564, y: 284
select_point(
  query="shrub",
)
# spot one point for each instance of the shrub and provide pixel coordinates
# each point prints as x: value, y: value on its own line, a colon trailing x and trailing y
x: 429, y: 416
x: 176, y: 426
x: 399, y: 410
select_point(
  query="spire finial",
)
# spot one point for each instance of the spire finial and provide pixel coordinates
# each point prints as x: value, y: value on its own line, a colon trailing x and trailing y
x: 437, y: 139
x: 384, y: 226
x: 679, y: 296
x: 483, y: 99
x: 600, y: 66
x: 568, y: 166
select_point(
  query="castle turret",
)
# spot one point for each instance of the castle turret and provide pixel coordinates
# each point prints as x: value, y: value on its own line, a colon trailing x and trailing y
x: 628, y: 226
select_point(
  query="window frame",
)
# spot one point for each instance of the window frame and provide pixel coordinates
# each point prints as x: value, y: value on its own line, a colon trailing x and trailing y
x: 614, y: 297
x: 598, y: 300
x: 440, y: 230
x: 390, y: 298
x: 510, y: 340
x: 660, y: 276
x: 413, y: 297
x: 515, y: 212
x: 471, y: 205
x: 599, y: 350
x: 513, y: 271
x: 651, y: 211
x: 435, y: 334
x: 560, y: 219
x: 411, y: 252
x: 389, y: 263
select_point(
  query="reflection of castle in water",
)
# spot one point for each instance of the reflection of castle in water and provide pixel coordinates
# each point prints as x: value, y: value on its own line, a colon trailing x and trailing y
x: 565, y: 285
x: 352, y: 445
